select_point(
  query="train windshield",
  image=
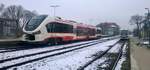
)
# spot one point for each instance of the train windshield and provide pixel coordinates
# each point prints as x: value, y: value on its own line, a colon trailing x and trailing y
x: 35, y: 22
x: 124, y: 32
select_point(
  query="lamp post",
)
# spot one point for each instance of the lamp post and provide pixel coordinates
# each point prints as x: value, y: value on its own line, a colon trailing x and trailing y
x: 54, y: 6
x: 148, y: 23
x: 147, y: 9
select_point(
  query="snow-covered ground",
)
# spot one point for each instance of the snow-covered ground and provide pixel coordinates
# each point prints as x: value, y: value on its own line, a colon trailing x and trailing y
x: 36, y: 50
x: 68, y: 61
x: 115, y: 49
x: 95, y: 64
x: 36, y: 56
x: 102, y: 62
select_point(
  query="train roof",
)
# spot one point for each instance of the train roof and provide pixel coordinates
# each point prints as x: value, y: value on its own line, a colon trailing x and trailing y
x: 72, y: 22
x: 85, y: 25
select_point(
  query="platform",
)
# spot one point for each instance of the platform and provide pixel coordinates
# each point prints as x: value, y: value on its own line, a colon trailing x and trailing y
x: 140, y: 56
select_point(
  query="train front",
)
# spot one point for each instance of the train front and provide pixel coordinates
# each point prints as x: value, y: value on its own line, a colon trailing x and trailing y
x: 33, y: 29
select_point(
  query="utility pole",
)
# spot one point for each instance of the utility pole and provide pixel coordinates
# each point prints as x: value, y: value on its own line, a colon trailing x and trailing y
x: 54, y: 6
x: 148, y: 23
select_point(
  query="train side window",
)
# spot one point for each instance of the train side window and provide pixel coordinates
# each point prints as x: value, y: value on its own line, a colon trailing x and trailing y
x: 81, y: 31
x: 63, y: 28
x: 59, y: 27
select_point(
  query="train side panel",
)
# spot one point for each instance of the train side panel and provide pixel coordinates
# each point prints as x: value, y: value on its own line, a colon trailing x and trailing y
x: 57, y: 30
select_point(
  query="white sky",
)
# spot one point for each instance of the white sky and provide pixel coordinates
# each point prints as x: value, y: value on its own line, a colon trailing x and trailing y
x: 88, y: 11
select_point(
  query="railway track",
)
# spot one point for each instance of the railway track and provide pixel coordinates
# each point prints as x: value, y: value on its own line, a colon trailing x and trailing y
x: 101, y: 54
x: 118, y: 57
x: 4, y: 49
x: 20, y: 48
x: 7, y: 63
x: 15, y: 53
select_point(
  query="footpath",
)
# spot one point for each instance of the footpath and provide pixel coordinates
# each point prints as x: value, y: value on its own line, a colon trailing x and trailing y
x: 140, y: 56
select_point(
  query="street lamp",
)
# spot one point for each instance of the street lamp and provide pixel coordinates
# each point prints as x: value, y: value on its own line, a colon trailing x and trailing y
x: 147, y: 9
x: 54, y: 6
x: 148, y: 23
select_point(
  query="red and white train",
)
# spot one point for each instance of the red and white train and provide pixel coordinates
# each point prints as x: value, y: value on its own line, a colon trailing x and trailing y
x: 44, y: 28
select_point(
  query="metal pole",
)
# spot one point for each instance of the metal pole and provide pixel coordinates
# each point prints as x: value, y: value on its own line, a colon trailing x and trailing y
x: 53, y: 27
x: 55, y: 6
x: 54, y: 11
x: 148, y: 23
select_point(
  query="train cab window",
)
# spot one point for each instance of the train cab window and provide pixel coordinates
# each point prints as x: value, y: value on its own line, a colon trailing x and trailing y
x: 35, y: 22
x: 59, y: 27
x: 98, y: 31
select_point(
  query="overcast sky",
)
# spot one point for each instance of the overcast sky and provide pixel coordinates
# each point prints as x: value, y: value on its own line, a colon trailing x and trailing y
x: 88, y: 11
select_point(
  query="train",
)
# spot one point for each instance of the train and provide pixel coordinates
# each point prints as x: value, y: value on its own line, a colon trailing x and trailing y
x: 47, y: 29
x: 124, y: 34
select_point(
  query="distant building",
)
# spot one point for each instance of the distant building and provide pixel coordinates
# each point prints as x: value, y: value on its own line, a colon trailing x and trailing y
x: 109, y: 28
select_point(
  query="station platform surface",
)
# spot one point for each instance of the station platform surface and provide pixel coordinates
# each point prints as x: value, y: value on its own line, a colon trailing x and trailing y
x: 140, y: 56
x: 10, y: 41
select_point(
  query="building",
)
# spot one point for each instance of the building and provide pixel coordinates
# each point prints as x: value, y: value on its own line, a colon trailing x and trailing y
x: 109, y: 28
x: 9, y: 28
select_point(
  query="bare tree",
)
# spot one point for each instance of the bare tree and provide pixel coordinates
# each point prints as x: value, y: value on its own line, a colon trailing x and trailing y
x: 13, y: 12
x: 17, y: 13
x: 136, y: 19
x: 2, y: 7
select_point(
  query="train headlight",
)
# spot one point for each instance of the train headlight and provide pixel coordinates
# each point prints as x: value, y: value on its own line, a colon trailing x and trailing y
x: 38, y: 32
